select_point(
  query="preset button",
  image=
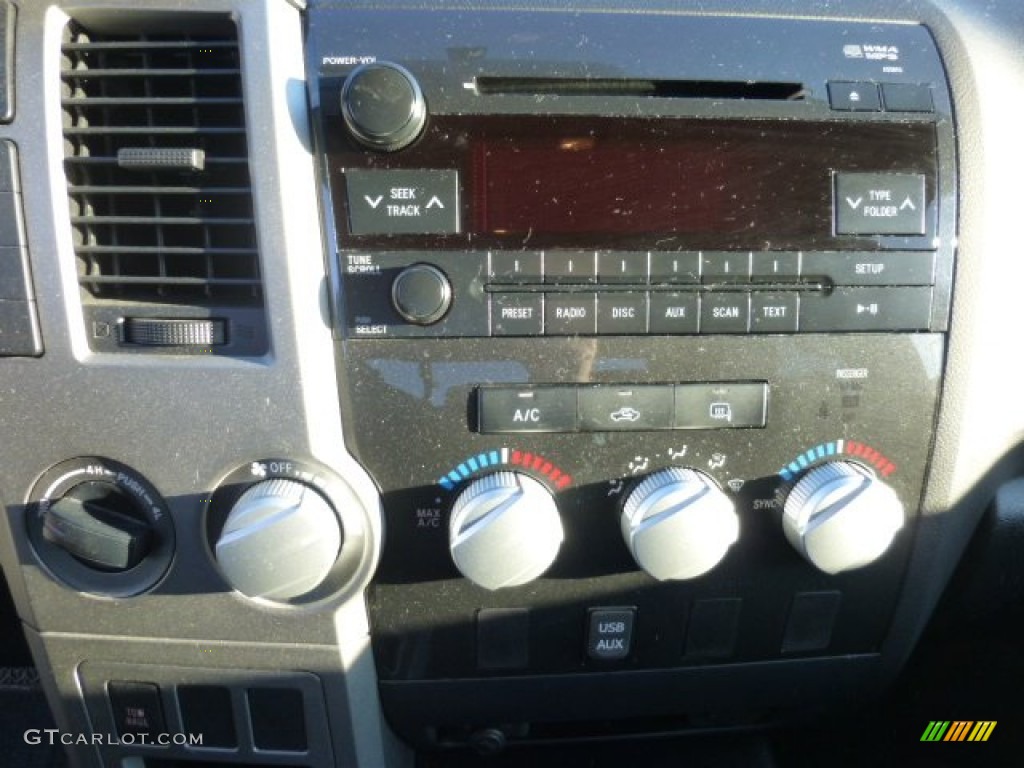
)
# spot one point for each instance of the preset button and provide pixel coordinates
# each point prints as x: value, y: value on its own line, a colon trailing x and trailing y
x: 517, y: 314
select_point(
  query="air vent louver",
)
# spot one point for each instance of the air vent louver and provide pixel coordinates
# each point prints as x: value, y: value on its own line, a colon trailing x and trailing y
x: 158, y: 177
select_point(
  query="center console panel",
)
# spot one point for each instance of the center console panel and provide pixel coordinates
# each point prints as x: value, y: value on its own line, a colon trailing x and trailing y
x: 642, y: 343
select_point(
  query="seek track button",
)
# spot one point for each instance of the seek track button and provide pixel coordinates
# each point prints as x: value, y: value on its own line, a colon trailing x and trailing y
x: 403, y: 202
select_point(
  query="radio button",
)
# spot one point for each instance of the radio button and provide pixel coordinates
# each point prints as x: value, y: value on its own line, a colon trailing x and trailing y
x: 721, y: 406
x: 570, y: 314
x: 775, y: 266
x: 674, y: 313
x: 568, y: 267
x: 867, y: 309
x: 622, y: 267
x: 609, y: 408
x: 724, y: 266
x: 854, y: 97
x: 880, y: 204
x: 624, y: 314
x: 873, y: 267
x: 724, y: 313
x: 515, y: 267
x: 405, y: 202
x: 517, y: 314
x: 681, y: 267
x: 774, y: 312
x: 510, y: 410
x: 907, y: 97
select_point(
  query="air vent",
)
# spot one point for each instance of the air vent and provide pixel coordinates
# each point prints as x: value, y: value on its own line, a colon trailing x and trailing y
x: 158, y: 180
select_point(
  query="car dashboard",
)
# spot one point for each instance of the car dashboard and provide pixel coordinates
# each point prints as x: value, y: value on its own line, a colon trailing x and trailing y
x: 386, y: 383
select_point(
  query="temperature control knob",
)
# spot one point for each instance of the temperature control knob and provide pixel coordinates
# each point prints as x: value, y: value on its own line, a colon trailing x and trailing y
x: 840, y: 516
x: 505, y: 530
x: 280, y: 541
x: 383, y: 106
x: 678, y: 524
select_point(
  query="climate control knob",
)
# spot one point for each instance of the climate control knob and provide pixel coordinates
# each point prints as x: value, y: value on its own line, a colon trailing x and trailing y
x: 504, y: 530
x: 678, y: 524
x: 280, y: 541
x: 840, y: 516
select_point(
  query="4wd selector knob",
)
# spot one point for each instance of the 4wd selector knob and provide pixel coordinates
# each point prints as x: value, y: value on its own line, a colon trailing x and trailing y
x: 840, y: 516
x: 280, y: 541
x: 383, y: 106
x: 504, y: 530
x: 678, y: 524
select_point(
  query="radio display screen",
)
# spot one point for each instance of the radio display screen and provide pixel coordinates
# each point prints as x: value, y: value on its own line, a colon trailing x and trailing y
x: 587, y: 185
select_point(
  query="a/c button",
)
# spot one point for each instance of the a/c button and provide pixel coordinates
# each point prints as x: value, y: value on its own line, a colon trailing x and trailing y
x: 526, y: 409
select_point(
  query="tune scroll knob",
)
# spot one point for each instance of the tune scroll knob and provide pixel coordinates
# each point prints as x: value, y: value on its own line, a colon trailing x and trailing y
x: 504, y: 530
x: 678, y: 524
x: 280, y: 541
x: 840, y: 516
x: 382, y: 106
x: 421, y: 294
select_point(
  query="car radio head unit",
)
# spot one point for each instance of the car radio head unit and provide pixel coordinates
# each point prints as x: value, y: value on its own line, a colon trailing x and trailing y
x: 640, y: 328
x: 496, y: 167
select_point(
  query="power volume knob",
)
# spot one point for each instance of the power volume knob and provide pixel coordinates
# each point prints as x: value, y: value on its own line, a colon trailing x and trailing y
x: 839, y: 516
x: 505, y: 530
x: 280, y: 541
x: 678, y: 524
x: 382, y: 106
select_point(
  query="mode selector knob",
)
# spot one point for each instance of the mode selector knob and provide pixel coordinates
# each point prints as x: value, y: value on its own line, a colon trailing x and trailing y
x: 383, y: 106
x: 421, y: 294
x: 678, y: 524
x: 504, y: 530
x: 280, y: 541
x: 840, y: 516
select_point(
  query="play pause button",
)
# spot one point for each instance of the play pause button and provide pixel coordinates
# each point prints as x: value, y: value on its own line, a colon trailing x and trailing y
x: 610, y: 634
